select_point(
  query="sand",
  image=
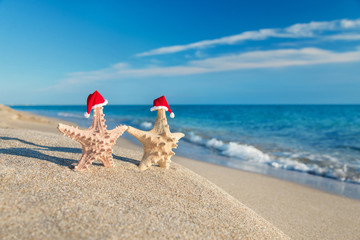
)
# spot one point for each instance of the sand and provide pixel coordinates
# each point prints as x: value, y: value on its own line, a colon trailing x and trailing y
x: 10, y: 118
x: 41, y: 197
x: 298, y: 211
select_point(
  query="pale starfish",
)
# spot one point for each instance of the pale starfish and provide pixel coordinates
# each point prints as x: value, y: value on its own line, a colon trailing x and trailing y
x: 96, y: 141
x: 157, y: 143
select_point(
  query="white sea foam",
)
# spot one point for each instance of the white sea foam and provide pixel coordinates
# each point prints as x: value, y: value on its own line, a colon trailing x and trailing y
x: 70, y: 115
x: 287, y: 160
x: 146, y: 125
x: 333, y: 168
x: 214, y: 143
x: 289, y: 164
x: 245, y: 152
x: 237, y: 150
x: 195, y: 138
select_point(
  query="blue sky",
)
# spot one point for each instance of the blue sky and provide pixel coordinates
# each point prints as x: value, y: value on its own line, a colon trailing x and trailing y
x: 193, y: 52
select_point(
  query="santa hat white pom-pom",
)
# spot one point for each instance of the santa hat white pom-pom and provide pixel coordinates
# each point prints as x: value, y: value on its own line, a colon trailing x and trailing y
x: 86, y: 115
x: 172, y: 115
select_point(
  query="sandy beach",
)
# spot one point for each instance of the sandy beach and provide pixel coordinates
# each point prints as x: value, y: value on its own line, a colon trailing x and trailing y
x: 42, y: 198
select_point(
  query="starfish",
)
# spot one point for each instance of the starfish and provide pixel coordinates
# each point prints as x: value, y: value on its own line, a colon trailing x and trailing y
x: 157, y: 143
x: 96, y: 141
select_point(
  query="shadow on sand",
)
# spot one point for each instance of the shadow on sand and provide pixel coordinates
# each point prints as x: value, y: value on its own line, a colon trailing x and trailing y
x: 35, y: 153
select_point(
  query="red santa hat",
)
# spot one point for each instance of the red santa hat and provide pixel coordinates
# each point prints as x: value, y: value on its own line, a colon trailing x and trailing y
x: 161, y: 103
x: 94, y: 100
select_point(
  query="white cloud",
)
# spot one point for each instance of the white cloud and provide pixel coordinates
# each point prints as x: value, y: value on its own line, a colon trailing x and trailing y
x: 120, y: 65
x: 299, y: 30
x: 249, y: 60
x: 350, y: 24
x: 276, y: 58
x: 250, y: 35
x: 200, y: 54
x: 345, y: 37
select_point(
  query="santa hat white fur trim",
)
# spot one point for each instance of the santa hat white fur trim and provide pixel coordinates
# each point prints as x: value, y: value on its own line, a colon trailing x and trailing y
x: 87, y: 115
x: 100, y: 104
x: 172, y: 115
x: 158, y: 108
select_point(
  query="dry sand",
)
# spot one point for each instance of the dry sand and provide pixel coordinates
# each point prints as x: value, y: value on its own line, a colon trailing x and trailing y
x: 300, y: 212
x: 10, y: 118
x: 42, y: 198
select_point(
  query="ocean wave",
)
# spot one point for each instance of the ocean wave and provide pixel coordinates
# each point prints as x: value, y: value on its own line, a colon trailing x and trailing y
x: 316, y: 164
x: 195, y: 138
x: 70, y: 115
x: 335, y: 169
x: 231, y: 149
x: 146, y: 125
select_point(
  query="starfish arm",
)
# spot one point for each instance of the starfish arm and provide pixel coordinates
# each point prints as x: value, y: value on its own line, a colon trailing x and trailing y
x: 117, y: 132
x: 138, y: 134
x: 178, y: 135
x: 73, y: 132
x: 164, y: 163
x: 147, y: 160
x: 107, y: 159
x: 87, y: 158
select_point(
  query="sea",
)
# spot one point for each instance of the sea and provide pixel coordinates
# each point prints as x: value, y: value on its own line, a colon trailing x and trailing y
x: 314, y: 145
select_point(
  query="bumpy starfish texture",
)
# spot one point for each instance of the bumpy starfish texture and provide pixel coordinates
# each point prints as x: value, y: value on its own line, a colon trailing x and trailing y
x: 157, y: 143
x: 96, y: 141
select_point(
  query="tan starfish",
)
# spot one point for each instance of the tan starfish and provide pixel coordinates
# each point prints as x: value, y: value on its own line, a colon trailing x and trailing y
x: 157, y: 143
x: 96, y: 141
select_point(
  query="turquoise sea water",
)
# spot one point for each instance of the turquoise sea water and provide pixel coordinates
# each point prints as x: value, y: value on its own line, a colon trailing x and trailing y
x: 295, y: 142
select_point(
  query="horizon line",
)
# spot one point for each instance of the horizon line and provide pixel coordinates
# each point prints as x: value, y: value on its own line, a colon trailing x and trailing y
x: 188, y: 104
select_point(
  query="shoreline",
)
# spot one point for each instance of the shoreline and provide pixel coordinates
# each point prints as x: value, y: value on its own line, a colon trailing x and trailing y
x: 299, y: 211
x: 324, y: 184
